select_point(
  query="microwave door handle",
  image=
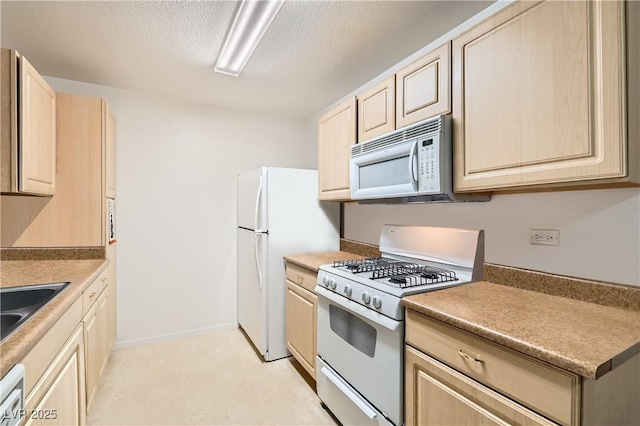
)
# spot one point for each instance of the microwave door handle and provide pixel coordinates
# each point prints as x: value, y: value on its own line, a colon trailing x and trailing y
x: 413, y: 165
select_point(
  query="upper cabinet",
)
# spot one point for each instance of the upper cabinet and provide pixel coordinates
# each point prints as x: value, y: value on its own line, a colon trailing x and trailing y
x: 376, y: 110
x: 418, y: 91
x: 423, y: 88
x: 336, y: 134
x: 544, y: 95
x: 75, y: 216
x: 109, y: 124
x: 28, y: 135
x: 540, y: 97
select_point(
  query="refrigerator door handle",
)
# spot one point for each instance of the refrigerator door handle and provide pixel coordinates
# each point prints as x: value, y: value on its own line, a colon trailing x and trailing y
x: 257, y: 210
x: 258, y: 261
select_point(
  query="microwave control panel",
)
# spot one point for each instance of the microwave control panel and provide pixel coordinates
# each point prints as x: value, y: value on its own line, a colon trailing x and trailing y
x: 429, y: 165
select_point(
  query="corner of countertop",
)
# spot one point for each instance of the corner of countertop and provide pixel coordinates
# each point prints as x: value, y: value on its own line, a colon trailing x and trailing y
x: 362, y: 249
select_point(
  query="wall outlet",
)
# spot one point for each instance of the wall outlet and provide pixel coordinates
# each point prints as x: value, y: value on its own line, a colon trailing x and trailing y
x: 547, y: 237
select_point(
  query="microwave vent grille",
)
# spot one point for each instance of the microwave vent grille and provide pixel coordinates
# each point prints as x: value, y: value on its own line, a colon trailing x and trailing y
x: 432, y: 126
x: 426, y: 127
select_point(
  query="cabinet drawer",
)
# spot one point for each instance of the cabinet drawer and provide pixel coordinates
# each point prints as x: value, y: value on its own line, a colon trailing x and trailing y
x: 305, y: 278
x: 548, y: 390
x: 90, y: 295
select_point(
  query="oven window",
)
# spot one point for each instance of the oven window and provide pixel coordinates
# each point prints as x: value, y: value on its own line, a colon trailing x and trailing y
x: 353, y: 330
x: 389, y: 172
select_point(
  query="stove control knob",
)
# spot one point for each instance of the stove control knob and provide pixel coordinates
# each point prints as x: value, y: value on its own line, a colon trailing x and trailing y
x: 348, y: 290
x: 325, y: 281
x: 332, y: 284
x: 366, y: 298
x: 377, y: 303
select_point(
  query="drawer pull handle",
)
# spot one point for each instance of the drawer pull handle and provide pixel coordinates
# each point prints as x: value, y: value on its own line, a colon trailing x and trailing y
x: 300, y: 279
x: 92, y: 295
x: 469, y: 357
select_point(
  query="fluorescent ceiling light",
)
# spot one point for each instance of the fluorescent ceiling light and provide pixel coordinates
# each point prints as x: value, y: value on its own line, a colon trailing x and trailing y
x: 249, y: 25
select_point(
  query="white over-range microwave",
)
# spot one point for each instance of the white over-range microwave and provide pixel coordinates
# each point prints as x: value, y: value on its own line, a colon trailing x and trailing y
x: 413, y: 164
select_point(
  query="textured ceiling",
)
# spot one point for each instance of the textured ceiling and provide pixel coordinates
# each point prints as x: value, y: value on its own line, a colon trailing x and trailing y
x: 314, y: 53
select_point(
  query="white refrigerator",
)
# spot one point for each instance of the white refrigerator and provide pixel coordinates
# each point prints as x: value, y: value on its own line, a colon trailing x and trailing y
x: 278, y: 214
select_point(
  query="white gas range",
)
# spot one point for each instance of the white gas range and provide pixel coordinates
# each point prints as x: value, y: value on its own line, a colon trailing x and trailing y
x: 361, y: 319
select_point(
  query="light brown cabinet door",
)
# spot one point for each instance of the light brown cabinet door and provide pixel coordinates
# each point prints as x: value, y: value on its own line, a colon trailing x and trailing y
x: 28, y: 130
x: 102, y: 318
x: 109, y: 123
x: 376, y: 110
x: 98, y: 341
x: 301, y: 311
x: 336, y: 135
x: 37, y: 132
x: 92, y: 351
x: 423, y: 88
x: 539, y: 96
x: 111, y: 297
x: 63, y: 403
x: 439, y: 395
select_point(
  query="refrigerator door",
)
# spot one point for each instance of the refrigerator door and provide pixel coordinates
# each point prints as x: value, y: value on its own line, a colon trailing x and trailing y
x: 252, y: 286
x: 252, y: 196
x: 298, y: 223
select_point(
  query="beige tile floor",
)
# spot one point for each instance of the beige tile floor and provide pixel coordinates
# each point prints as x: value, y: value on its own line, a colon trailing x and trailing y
x: 213, y: 379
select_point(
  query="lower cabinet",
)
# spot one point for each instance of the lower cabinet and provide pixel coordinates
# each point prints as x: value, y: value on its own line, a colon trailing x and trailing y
x: 111, y: 298
x: 104, y: 323
x: 64, y: 368
x: 302, y: 309
x: 439, y: 395
x: 60, y: 391
x: 97, y: 348
x: 453, y: 377
x: 301, y: 313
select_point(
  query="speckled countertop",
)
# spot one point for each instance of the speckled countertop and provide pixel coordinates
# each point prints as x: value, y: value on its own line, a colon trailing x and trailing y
x: 585, y: 338
x: 25, y: 272
x: 313, y: 261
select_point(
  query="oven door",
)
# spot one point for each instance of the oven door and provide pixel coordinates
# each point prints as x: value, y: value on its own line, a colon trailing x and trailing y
x: 385, y: 172
x: 365, y: 348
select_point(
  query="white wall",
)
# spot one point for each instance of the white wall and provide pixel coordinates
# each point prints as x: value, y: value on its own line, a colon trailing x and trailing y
x: 599, y: 229
x: 176, y: 205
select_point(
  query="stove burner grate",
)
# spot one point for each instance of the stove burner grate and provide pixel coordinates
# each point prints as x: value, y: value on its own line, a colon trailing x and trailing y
x: 413, y: 276
x: 372, y: 264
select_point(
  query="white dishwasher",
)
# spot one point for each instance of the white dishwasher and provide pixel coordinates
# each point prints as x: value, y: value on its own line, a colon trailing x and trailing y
x: 12, y: 396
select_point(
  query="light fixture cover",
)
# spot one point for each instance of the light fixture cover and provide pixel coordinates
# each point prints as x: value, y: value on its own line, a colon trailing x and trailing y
x: 249, y: 25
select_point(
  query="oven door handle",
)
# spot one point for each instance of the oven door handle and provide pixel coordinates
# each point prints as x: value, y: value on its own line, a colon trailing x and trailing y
x: 356, y: 399
x: 357, y: 308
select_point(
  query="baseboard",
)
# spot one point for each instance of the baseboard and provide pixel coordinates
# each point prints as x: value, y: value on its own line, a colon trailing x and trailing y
x: 173, y: 336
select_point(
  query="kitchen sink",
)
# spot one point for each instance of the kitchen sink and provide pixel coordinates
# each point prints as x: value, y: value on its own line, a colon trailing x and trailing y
x: 9, y: 320
x: 18, y: 304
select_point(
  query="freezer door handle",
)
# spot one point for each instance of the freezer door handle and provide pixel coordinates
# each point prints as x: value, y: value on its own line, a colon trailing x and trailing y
x: 257, y: 209
x: 356, y: 399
